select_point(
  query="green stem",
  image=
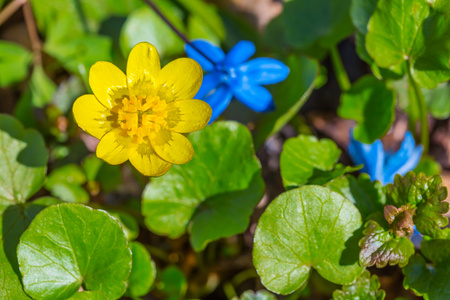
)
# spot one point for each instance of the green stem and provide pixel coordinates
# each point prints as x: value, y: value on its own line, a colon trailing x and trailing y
x: 423, y: 112
x: 80, y: 13
x: 229, y: 290
x: 244, y: 276
x: 339, y: 70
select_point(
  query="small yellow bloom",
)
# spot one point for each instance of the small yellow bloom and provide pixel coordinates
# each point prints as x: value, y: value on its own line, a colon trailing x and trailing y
x: 142, y: 116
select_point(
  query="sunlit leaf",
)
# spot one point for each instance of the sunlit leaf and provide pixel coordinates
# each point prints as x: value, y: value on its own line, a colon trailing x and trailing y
x: 365, y: 287
x: 304, y: 228
x: 208, y: 196
x: 72, y: 245
x: 143, y: 271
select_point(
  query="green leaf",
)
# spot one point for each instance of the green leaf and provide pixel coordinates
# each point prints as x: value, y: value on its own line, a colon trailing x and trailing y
x: 207, y: 14
x: 144, y: 25
x: 172, y: 283
x: 320, y: 23
x: 302, y: 155
x: 372, y: 105
x: 143, y: 271
x: 259, y: 295
x: 367, y: 195
x: 73, y: 245
x: 88, y: 296
x: 425, y: 193
x: 208, y: 195
x: 360, y: 12
x: 24, y: 156
x: 289, y: 97
x: 14, y: 63
x: 365, y: 287
x: 78, y: 54
x: 42, y: 88
x: 303, y: 228
x: 129, y: 224
x: 198, y: 29
x: 431, y: 282
x: 379, y: 247
x: 428, y: 166
x: 437, y: 101
x: 66, y: 183
x: 13, y: 222
x: 411, y: 31
x: 66, y: 94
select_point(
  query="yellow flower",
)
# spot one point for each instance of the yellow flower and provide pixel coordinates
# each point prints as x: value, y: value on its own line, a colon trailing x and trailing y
x: 143, y: 115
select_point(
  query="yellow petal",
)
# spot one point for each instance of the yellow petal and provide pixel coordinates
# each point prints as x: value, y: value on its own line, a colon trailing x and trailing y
x: 172, y: 147
x: 143, y: 68
x: 114, y: 147
x: 106, y: 80
x: 146, y: 161
x: 180, y: 79
x: 91, y: 116
x: 187, y: 115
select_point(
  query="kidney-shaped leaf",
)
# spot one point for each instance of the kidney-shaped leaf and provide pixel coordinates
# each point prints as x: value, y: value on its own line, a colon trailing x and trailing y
x: 303, y: 228
x: 214, y: 193
x: 67, y: 245
x: 143, y: 271
x: 24, y: 161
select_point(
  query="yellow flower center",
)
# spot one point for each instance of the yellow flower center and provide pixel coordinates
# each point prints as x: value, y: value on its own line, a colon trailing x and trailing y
x: 141, y: 116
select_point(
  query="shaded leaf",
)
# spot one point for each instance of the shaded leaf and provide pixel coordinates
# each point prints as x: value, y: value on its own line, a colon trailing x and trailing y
x: 73, y: 244
x: 209, y: 195
x: 367, y: 195
x: 24, y: 156
x: 365, y: 287
x: 431, y: 282
x: 372, y: 105
x: 379, y: 247
x: 303, y: 228
x: 172, y: 283
x: 289, y: 96
x: 66, y: 183
x: 317, y: 24
x: 14, y: 63
x: 143, y: 271
x: 86, y: 295
x: 437, y: 101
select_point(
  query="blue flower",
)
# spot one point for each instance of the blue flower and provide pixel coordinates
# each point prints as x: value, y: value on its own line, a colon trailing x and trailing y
x: 232, y: 75
x: 381, y: 165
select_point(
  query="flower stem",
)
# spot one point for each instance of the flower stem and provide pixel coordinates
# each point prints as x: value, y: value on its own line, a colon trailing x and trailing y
x: 339, y: 70
x: 174, y: 29
x: 33, y: 33
x: 423, y: 112
x: 80, y: 13
x: 10, y: 9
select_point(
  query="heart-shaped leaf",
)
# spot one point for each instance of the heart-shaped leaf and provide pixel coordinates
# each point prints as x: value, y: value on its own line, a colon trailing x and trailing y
x: 307, y: 227
x: 69, y: 245
x: 24, y: 162
x: 289, y: 97
x: 14, y: 63
x: 209, y: 195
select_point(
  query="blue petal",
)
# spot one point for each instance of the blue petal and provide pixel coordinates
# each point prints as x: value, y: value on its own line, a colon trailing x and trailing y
x: 255, y: 97
x: 240, y: 53
x: 265, y: 70
x: 213, y: 52
x: 371, y: 156
x: 219, y: 101
x: 209, y: 83
x: 404, y: 160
